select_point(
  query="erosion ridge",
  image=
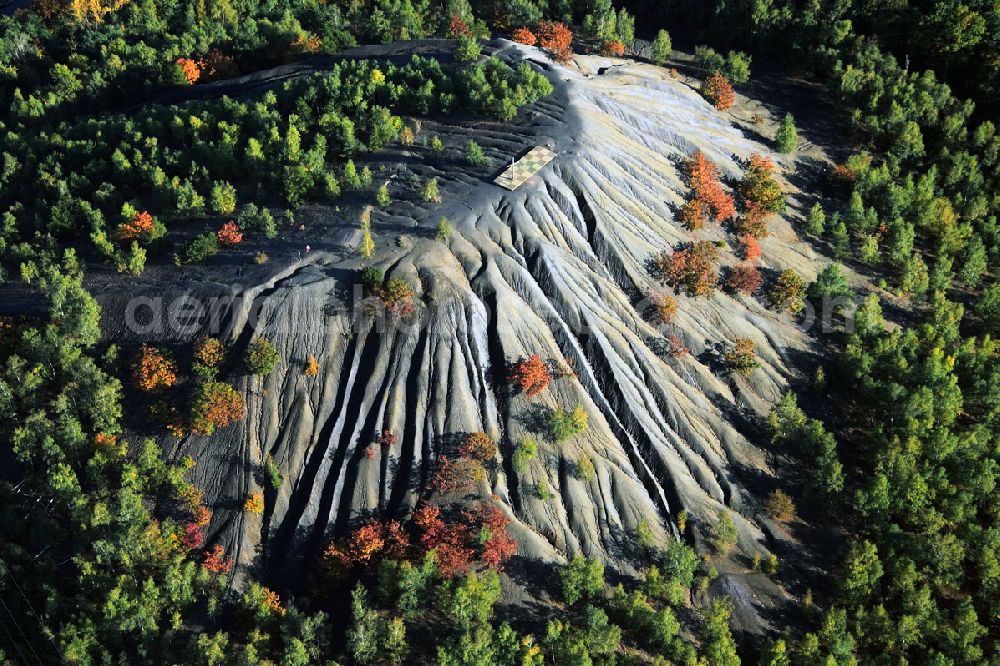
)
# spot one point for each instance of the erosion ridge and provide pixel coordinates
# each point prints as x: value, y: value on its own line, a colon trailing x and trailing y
x: 557, y: 268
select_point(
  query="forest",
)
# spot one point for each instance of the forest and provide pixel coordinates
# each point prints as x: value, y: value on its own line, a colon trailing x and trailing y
x: 104, y: 163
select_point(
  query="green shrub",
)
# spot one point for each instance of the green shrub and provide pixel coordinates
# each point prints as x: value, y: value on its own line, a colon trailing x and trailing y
x: 444, y: 229
x: 262, y: 356
x: 524, y: 452
x: 252, y: 218
x: 200, y: 248
x: 565, y: 425
x: 222, y: 198
x: 581, y: 579
x: 724, y: 534
x: 467, y: 49
x: 474, y: 155
x: 372, y: 278
x: 272, y: 474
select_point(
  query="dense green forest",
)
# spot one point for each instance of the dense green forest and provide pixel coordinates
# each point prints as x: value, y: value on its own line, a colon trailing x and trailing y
x: 100, y: 558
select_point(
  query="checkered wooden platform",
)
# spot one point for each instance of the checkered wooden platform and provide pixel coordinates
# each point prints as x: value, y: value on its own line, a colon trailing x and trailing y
x: 526, y: 167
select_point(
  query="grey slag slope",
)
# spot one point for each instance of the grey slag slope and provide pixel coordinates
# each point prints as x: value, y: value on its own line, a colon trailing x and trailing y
x: 558, y: 268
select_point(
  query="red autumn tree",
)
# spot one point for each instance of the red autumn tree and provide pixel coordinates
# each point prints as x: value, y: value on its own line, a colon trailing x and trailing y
x: 749, y: 248
x: 496, y: 545
x: 448, y: 541
x: 230, y: 234
x: 193, y: 537
x: 718, y: 91
x: 189, y: 69
x: 531, y: 374
x: 458, y: 28
x: 524, y: 36
x: 676, y: 347
x: 387, y: 438
x: 744, y: 279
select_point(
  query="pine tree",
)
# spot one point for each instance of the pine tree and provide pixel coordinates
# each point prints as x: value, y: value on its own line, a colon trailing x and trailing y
x: 816, y: 221
x: 786, y: 137
x: 662, y: 47
x: 429, y: 192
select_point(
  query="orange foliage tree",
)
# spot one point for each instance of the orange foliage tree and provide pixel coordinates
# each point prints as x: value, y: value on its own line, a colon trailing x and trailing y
x: 155, y: 371
x: 612, y: 48
x: 367, y: 543
x: 308, y: 45
x: 230, y: 234
x: 690, y: 268
x: 524, y: 36
x: 217, y: 65
x: 718, y: 91
x: 457, y: 475
x: 753, y: 222
x: 216, y: 562
x: 531, y: 375
x: 458, y: 28
x: 216, y: 405
x: 694, y: 214
x: 556, y: 37
x: 703, y: 176
x: 744, y: 279
x: 664, y: 307
x: 254, y: 503
x: 749, y: 248
x: 138, y: 227
x: 478, y: 446
x: 209, y: 352
x: 202, y: 516
x: 189, y: 69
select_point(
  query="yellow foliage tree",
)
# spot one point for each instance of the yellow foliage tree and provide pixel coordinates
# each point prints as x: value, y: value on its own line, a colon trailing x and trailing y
x: 94, y: 10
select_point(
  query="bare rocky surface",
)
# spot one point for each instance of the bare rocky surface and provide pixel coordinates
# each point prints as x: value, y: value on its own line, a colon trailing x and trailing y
x: 557, y: 268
